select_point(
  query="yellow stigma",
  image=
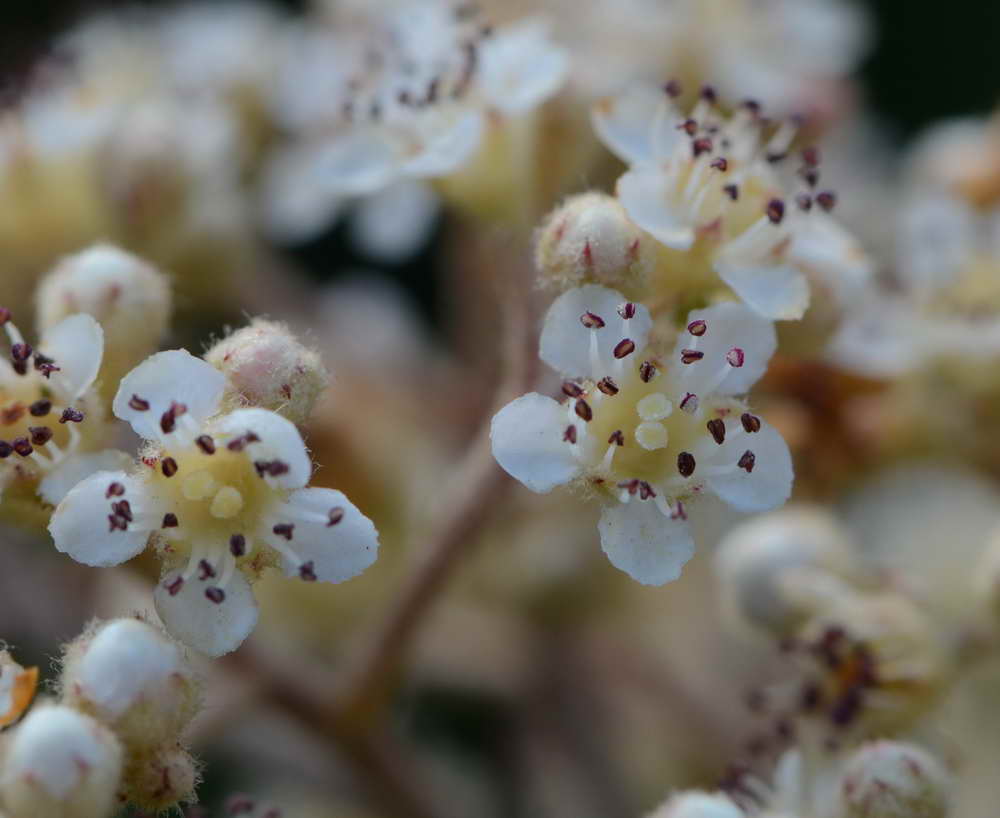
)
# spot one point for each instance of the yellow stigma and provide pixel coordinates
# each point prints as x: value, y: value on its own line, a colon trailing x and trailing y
x: 654, y: 407
x: 228, y: 502
x: 199, y: 486
x: 651, y: 436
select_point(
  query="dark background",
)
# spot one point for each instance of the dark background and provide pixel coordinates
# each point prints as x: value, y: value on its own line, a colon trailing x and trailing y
x: 931, y: 59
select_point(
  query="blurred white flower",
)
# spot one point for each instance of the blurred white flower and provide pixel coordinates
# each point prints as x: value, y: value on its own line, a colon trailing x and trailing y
x: 645, y: 433
x: 221, y: 497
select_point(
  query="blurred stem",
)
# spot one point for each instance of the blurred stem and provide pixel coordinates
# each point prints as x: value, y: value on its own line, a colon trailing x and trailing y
x: 467, y: 501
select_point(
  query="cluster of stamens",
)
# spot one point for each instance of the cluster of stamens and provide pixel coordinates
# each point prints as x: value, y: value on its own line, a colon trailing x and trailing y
x: 217, y: 485
x: 638, y: 420
x: 28, y: 422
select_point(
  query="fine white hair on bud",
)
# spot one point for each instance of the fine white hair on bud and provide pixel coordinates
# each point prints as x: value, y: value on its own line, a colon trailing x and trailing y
x: 158, y: 781
x: 890, y: 779
x: 590, y: 239
x: 775, y: 570
x: 268, y: 367
x: 61, y: 764
x: 696, y: 804
x: 134, y: 678
x: 129, y: 298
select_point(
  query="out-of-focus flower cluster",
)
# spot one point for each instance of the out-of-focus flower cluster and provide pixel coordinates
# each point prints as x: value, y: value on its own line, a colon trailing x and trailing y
x: 287, y: 298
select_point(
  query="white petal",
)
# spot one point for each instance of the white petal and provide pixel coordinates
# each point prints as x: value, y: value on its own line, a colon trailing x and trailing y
x: 358, y: 163
x: 392, y: 225
x: 295, y: 205
x: 769, y: 485
x: 80, y: 527
x: 162, y: 379
x: 648, y: 546
x: 776, y: 291
x: 214, y: 629
x: 278, y: 440
x: 78, y: 467
x: 827, y: 250
x: 520, y: 67
x: 637, y: 125
x: 646, y: 192
x: 337, y: 552
x: 565, y: 342
x: 526, y: 436
x: 447, y: 141
x: 881, y: 338
x: 728, y: 326
x: 77, y: 345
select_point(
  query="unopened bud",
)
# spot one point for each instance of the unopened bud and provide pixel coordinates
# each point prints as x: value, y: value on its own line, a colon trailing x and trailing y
x: 695, y: 804
x: 133, y: 678
x: 129, y: 298
x: 890, y: 779
x: 268, y: 367
x: 589, y: 239
x: 159, y: 781
x: 61, y: 764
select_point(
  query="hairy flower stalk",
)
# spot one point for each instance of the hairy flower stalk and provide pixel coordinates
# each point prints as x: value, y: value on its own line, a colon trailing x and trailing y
x: 647, y: 433
x: 220, y: 497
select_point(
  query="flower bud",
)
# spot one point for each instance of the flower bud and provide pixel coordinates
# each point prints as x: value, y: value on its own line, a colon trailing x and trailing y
x: 133, y: 678
x: 129, y: 298
x: 695, y: 804
x: 61, y: 764
x: 774, y: 570
x: 159, y: 781
x: 890, y: 779
x: 17, y: 688
x: 267, y: 367
x: 589, y: 239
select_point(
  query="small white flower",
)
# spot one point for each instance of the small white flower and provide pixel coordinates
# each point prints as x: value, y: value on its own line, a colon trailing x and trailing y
x: 705, y: 180
x: 400, y: 93
x: 220, y: 497
x: 60, y: 764
x: 41, y: 392
x: 649, y: 434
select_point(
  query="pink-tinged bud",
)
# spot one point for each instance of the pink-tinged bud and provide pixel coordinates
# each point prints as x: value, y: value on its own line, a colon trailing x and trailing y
x: 591, y: 239
x: 890, y: 779
x: 268, y: 367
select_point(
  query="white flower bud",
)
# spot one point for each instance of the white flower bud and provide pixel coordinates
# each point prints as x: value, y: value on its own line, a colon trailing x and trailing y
x: 590, y: 239
x: 61, y: 764
x: 267, y: 367
x: 695, y: 804
x: 129, y: 298
x: 133, y: 678
x: 774, y: 569
x: 157, y: 782
x: 889, y: 779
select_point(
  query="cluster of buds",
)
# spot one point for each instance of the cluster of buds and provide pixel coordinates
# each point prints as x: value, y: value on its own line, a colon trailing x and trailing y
x: 114, y: 736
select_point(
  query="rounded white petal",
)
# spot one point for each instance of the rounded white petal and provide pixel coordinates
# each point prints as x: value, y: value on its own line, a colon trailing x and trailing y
x: 641, y: 541
x: 296, y: 204
x: 696, y: 804
x: 392, y: 225
x: 728, y: 326
x: 61, y: 762
x: 827, y: 250
x: 77, y: 345
x: 80, y: 525
x: 337, y: 552
x: 637, y: 125
x: 78, y: 467
x: 447, y: 141
x: 520, y: 67
x: 278, y: 440
x: 646, y: 193
x: 769, y: 483
x: 565, y: 342
x: 776, y: 291
x: 214, y: 629
x: 359, y: 163
x: 527, y: 440
x: 163, y: 379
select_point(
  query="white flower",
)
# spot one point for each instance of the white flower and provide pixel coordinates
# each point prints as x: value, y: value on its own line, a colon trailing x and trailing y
x: 649, y: 434
x: 41, y: 392
x: 400, y: 93
x: 704, y: 181
x: 695, y: 804
x: 220, y: 497
x: 60, y: 764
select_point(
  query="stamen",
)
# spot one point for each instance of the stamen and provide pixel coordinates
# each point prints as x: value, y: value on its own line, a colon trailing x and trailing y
x: 216, y: 595
x: 237, y: 545
x: 689, y: 403
x: 717, y: 428
x: 40, y: 435
x: 827, y: 200
x: 123, y: 509
x: 732, y: 191
x: 205, y: 443
x: 22, y: 446
x: 583, y: 410
x: 685, y: 464
x: 12, y: 414
x: 334, y: 516
x: 627, y: 310
x: 697, y: 328
x: 169, y: 520
x: 138, y: 404
x: 6, y: 450
x: 115, y: 490
x: 689, y: 356
x: 591, y: 320
x: 569, y: 436
x: 284, y: 530
x: 307, y: 572
x: 169, y: 467
x: 750, y: 422
x: 174, y: 586
x: 645, y: 490
x: 40, y: 408
x: 647, y: 371
x: 735, y: 357
x: 775, y: 211
x: 747, y: 461
x: 205, y: 570
x: 672, y: 89
x: 71, y: 415
x: 572, y: 390
x: 617, y: 438
x: 608, y: 386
